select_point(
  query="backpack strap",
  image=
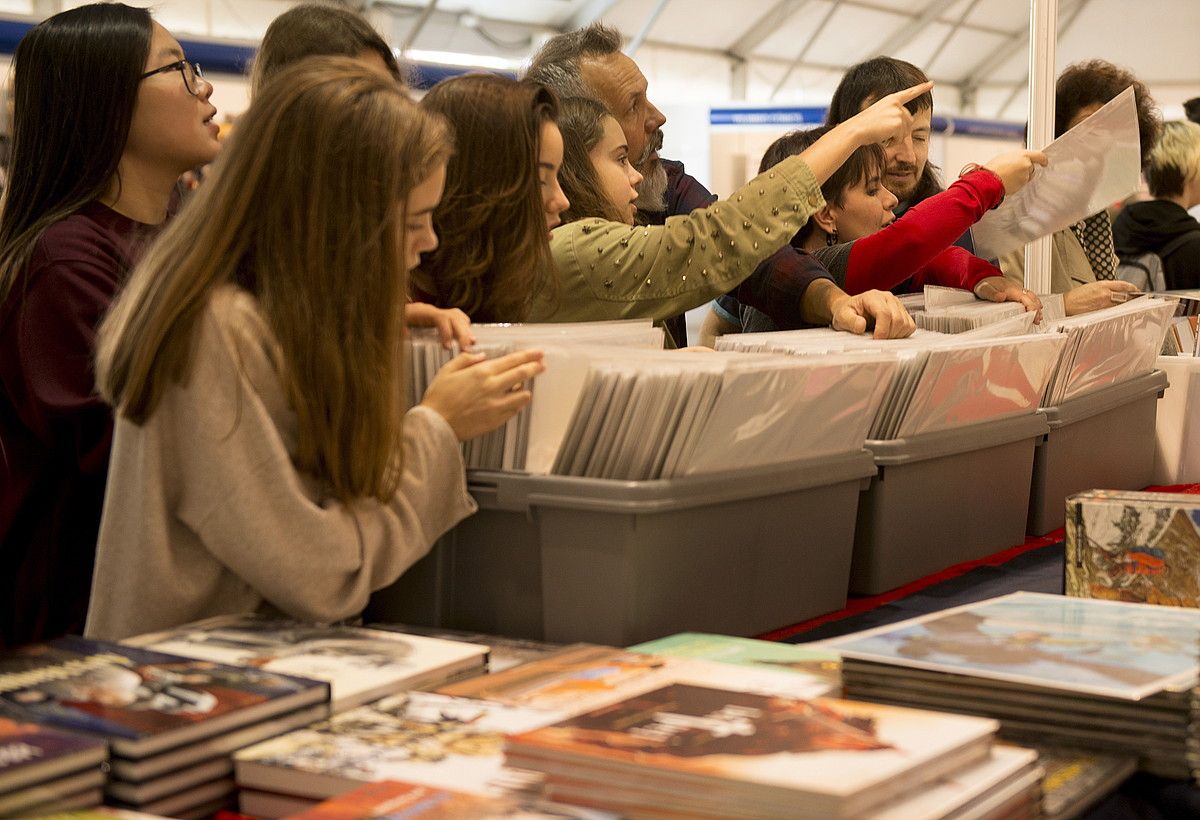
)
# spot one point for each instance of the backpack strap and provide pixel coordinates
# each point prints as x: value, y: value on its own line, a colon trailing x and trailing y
x: 1177, y: 243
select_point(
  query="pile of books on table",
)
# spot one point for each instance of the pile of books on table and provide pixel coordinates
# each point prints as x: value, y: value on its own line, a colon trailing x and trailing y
x: 516, y: 736
x: 170, y: 722
x: 1105, y: 675
x: 44, y: 771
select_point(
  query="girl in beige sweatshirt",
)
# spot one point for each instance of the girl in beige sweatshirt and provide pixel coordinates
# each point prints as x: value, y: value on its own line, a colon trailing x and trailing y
x: 262, y: 460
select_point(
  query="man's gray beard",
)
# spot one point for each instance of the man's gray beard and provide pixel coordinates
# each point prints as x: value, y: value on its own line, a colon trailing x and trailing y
x: 652, y: 190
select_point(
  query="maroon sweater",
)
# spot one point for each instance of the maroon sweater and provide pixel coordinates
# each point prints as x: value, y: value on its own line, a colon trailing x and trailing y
x: 55, y: 431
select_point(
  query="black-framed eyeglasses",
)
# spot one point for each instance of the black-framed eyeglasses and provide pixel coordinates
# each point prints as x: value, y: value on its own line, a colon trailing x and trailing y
x: 191, y: 74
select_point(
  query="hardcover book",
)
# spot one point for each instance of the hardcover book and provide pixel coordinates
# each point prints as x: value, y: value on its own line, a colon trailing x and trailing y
x: 1131, y: 546
x: 582, y: 678
x: 419, y: 737
x: 30, y: 753
x: 360, y: 664
x: 693, y: 746
x: 143, y: 702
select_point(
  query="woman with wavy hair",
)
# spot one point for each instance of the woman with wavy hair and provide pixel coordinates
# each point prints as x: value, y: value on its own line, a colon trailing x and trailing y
x: 108, y: 113
x: 502, y: 198
x: 263, y: 459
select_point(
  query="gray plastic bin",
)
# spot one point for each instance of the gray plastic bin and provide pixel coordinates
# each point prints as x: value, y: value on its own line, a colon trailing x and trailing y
x: 619, y: 562
x: 943, y: 498
x: 1102, y: 440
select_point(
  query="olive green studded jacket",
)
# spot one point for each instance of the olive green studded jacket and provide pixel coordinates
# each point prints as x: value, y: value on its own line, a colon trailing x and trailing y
x: 610, y: 270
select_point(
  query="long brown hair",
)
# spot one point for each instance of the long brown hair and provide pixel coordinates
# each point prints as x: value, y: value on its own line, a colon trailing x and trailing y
x: 306, y: 211
x: 315, y: 30
x: 581, y: 120
x: 75, y: 82
x: 494, y: 257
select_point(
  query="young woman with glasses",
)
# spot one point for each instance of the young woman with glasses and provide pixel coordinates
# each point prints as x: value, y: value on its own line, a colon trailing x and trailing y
x: 263, y: 460
x: 108, y: 114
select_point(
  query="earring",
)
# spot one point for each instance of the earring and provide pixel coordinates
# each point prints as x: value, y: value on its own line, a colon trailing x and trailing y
x: 831, y: 238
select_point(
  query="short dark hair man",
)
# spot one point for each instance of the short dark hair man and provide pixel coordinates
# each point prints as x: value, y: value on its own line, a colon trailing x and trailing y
x: 909, y: 175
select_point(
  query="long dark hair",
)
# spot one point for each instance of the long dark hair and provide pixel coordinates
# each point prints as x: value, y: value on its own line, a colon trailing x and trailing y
x: 867, y: 160
x: 581, y: 120
x: 872, y: 80
x: 75, y: 82
x: 494, y: 255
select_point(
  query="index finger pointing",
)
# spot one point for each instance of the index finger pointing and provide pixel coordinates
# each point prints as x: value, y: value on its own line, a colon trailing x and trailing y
x: 910, y: 94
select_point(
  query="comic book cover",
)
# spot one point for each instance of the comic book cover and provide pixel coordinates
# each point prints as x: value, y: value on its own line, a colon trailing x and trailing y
x: 142, y: 701
x: 360, y: 664
x: 824, y: 755
x: 30, y: 753
x: 503, y: 653
x: 811, y: 660
x: 417, y: 737
x: 1107, y: 648
x: 578, y: 679
x: 1131, y: 546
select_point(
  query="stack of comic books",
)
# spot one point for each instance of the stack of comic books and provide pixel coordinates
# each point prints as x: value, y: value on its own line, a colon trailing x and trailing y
x: 1104, y: 675
x: 418, y: 737
x: 585, y: 677
x: 453, y: 738
x: 502, y: 653
x: 44, y: 771
x: 701, y: 751
x: 361, y: 665
x: 170, y: 722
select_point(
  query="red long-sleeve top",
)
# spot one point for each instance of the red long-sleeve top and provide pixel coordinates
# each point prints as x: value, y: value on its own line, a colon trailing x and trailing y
x: 917, y: 249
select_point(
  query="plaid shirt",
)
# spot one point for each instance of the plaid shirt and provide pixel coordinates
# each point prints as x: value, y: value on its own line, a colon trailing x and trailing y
x: 774, y: 293
x: 684, y: 195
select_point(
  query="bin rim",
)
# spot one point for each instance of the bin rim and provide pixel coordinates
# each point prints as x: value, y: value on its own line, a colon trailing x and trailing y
x: 523, y: 491
x: 957, y: 440
x: 1106, y: 398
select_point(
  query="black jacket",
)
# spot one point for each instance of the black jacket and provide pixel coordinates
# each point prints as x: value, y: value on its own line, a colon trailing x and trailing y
x: 1146, y: 227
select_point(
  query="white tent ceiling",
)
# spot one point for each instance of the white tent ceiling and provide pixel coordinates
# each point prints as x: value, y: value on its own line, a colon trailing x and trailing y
x: 783, y: 51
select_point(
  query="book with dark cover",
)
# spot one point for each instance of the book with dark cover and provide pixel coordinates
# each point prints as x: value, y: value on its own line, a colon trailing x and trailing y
x: 143, y: 702
x: 30, y: 753
x: 33, y: 799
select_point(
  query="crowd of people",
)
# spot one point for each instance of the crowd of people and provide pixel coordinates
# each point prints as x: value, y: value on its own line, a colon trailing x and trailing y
x: 201, y: 402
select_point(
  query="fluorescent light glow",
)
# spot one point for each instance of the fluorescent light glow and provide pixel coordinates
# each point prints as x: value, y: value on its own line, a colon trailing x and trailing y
x: 456, y: 58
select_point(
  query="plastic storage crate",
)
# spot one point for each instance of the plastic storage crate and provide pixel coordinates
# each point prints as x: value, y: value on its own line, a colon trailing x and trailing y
x: 1103, y: 440
x: 943, y: 498
x: 619, y: 562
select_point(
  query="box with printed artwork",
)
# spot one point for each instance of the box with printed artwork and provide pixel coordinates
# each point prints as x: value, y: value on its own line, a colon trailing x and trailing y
x: 1132, y: 546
